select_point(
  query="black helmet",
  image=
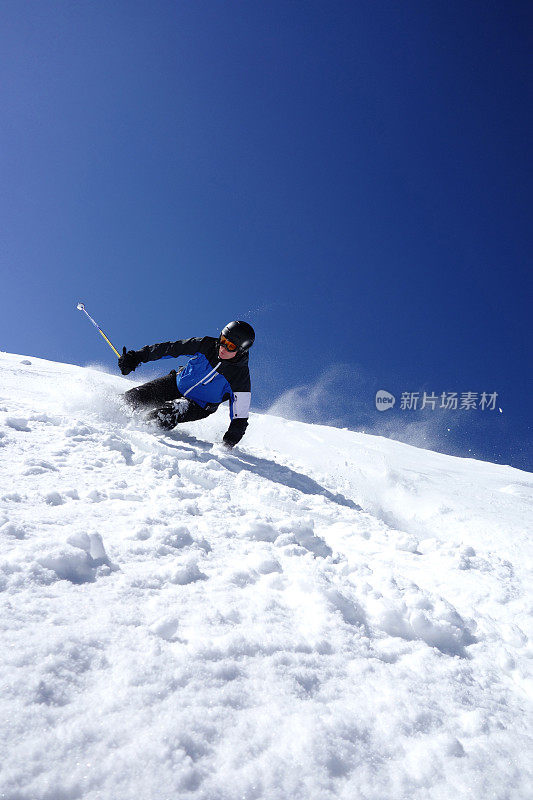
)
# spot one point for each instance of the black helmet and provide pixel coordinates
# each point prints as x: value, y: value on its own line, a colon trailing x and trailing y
x: 240, y: 333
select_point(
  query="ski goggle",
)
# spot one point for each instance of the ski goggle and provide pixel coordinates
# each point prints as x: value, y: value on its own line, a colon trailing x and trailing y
x: 227, y: 345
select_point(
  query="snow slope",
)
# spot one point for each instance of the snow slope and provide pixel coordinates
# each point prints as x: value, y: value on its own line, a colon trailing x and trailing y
x: 320, y: 614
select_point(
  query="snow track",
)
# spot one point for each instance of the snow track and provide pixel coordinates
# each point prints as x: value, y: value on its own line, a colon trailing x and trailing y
x: 180, y: 622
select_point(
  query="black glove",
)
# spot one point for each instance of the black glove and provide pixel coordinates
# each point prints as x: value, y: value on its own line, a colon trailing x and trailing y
x: 128, y: 361
x: 235, y: 432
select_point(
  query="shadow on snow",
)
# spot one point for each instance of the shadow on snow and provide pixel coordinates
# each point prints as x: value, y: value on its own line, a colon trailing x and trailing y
x: 270, y: 470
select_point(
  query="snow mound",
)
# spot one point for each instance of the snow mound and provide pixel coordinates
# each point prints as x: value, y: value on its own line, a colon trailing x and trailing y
x: 319, y: 614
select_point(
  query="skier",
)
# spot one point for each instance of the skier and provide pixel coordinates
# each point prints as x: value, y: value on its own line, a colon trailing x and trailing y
x: 217, y: 372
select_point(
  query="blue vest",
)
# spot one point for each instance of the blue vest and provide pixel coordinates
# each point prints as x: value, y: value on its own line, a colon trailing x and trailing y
x: 203, y: 384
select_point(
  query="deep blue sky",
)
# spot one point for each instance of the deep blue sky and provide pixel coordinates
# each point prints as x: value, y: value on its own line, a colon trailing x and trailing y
x: 353, y: 178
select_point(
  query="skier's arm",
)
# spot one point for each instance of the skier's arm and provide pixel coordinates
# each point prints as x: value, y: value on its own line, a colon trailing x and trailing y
x: 182, y: 347
x: 239, y: 409
x: 131, y: 359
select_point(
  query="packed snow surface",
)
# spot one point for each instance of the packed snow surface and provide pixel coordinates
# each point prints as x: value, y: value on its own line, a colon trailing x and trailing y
x: 318, y: 614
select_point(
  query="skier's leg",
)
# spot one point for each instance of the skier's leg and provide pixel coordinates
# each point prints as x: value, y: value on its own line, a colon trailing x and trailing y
x: 153, y: 393
x: 180, y: 410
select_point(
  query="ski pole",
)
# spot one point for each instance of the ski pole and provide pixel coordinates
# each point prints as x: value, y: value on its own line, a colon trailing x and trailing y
x: 81, y: 307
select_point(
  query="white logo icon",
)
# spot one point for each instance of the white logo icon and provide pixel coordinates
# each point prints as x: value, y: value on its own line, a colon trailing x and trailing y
x: 384, y: 400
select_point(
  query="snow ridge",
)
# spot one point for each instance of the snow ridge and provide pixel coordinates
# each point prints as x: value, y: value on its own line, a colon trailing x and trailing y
x: 319, y: 614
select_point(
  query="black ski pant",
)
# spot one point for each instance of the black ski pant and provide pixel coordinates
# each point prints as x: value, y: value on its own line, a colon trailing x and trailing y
x: 155, y: 394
